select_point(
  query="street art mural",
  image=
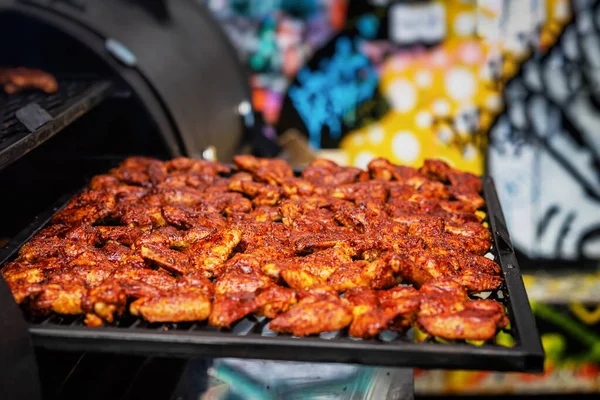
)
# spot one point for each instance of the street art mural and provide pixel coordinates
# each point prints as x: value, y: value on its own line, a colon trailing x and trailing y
x: 544, y: 150
x: 275, y: 38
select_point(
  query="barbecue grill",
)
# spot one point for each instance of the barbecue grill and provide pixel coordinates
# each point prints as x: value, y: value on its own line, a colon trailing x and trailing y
x: 117, y: 98
x: 135, y: 77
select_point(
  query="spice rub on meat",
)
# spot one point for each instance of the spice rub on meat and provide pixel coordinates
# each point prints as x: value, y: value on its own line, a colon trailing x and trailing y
x: 330, y: 248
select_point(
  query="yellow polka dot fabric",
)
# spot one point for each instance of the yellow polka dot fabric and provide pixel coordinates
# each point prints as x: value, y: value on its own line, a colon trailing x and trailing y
x: 444, y: 100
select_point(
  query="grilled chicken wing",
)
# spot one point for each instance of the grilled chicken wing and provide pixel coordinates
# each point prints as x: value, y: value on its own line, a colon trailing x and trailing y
x: 422, y: 266
x: 239, y: 292
x: 269, y: 301
x: 368, y: 317
x: 171, y: 260
x: 272, y: 171
x: 255, y: 259
x: 23, y: 280
x: 236, y: 281
x: 328, y: 173
x: 479, y: 320
x: 92, y: 274
x: 141, y: 216
x: 124, y: 235
x: 197, y: 167
x: 376, y: 275
x: 377, y: 310
x: 189, y: 300
x: 295, y: 187
x: 464, y: 186
x: 156, y: 278
x: 188, y: 304
x: 319, y: 310
x: 446, y: 311
x: 209, y: 253
x: 402, y: 303
x: 111, y: 296
x: 304, y: 242
x: 382, y: 169
x: 60, y: 297
x: 86, y: 208
x: 262, y: 194
x: 371, y: 190
x: 320, y: 264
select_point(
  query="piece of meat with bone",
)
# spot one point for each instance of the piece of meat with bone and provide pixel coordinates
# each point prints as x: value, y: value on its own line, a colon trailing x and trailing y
x: 207, y: 254
x: 183, y: 305
x: 271, y: 171
x: 60, y: 296
x: 447, y: 312
x: 422, y: 266
x: 270, y: 301
x: 382, y: 169
x: 86, y: 208
x: 377, y: 274
x: 240, y: 291
x: 320, y: 264
x: 377, y: 310
x: 327, y: 173
x: 464, y: 186
x: 24, y: 281
x: 320, y: 309
x: 189, y: 301
x: 110, y: 298
x: 196, y: 167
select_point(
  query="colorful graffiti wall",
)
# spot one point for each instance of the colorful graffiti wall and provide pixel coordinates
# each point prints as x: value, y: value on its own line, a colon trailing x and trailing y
x: 275, y: 38
x: 505, y: 87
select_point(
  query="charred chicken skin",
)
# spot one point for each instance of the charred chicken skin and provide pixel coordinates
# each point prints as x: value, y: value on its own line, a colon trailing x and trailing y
x: 190, y: 240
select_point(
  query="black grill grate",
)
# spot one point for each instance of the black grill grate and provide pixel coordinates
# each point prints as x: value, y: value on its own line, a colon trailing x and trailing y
x: 74, y: 98
x: 251, y: 337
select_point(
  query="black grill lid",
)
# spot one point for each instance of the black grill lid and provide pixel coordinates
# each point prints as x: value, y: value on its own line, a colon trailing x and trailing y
x: 175, y: 58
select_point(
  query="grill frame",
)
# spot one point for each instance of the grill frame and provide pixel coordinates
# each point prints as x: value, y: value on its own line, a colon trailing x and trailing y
x: 74, y: 99
x: 200, y: 340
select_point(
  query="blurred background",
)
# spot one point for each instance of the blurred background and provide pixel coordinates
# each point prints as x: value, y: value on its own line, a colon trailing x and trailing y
x: 505, y: 88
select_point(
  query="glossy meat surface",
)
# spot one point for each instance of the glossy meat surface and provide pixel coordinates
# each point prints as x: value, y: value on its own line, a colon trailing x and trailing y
x: 377, y: 310
x: 188, y: 240
x: 317, y: 311
x: 446, y: 311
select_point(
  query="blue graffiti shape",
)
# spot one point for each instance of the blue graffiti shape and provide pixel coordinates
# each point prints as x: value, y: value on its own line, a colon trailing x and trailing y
x: 368, y: 25
x: 330, y: 95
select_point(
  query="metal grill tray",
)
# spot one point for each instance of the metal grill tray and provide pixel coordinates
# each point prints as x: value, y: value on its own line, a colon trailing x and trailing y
x: 29, y: 118
x: 250, y: 337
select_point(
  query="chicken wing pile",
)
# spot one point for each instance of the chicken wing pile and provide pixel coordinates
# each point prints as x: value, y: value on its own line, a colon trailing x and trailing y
x: 15, y: 80
x: 189, y: 240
